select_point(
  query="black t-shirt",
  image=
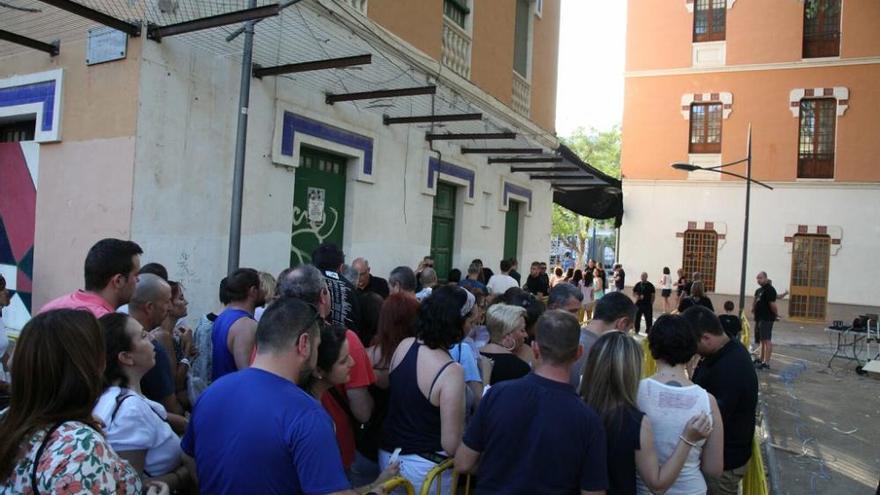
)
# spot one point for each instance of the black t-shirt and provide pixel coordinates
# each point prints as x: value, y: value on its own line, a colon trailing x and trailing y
x: 506, y: 367
x: 693, y: 301
x: 729, y: 376
x: 647, y: 291
x: 731, y: 324
x: 516, y: 276
x: 763, y: 297
x: 624, y: 439
x: 345, y: 308
x: 378, y: 285
x: 620, y: 283
x: 158, y: 382
x: 536, y: 436
x: 539, y: 284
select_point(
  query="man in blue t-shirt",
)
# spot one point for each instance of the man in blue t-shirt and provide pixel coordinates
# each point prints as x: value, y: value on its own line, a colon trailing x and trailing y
x: 534, y: 434
x: 256, y: 431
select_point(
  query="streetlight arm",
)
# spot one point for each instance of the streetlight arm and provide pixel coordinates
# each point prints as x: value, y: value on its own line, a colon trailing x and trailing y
x: 725, y: 172
x: 726, y: 164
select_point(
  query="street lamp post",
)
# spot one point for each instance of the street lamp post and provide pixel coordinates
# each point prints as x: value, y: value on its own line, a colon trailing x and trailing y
x: 689, y: 167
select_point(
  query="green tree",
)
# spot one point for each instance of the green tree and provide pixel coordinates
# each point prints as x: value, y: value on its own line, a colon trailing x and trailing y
x: 601, y: 149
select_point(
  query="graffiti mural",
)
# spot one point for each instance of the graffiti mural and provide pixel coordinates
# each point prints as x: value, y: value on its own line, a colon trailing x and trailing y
x: 18, y: 205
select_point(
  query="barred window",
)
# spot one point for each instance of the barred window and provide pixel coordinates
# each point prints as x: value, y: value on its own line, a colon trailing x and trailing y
x: 709, y: 20
x: 821, y: 28
x: 818, y: 117
x: 705, y: 128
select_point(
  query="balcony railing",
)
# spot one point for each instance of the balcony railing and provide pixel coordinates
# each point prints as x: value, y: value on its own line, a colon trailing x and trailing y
x: 456, y: 48
x: 522, y: 94
x: 359, y: 5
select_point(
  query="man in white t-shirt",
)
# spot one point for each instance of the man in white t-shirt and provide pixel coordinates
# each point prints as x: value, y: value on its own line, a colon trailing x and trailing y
x: 500, y: 282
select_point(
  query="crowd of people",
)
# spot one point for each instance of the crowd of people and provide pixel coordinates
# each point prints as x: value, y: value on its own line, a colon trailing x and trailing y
x: 327, y: 379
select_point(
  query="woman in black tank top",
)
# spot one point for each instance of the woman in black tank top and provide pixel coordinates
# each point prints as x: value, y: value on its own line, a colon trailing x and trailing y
x: 426, y: 407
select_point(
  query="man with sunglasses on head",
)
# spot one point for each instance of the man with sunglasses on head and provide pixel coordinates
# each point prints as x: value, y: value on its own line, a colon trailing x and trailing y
x: 257, y: 431
x: 350, y: 404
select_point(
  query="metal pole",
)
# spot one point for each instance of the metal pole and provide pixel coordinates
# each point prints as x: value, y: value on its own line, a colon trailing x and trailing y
x: 745, y: 256
x: 240, y: 146
x: 593, y: 246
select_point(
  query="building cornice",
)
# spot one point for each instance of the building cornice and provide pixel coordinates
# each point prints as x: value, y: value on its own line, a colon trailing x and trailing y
x: 803, y: 64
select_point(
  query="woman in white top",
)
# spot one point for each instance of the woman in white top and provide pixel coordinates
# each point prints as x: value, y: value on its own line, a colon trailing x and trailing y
x: 669, y: 400
x: 665, y: 288
x: 136, y: 427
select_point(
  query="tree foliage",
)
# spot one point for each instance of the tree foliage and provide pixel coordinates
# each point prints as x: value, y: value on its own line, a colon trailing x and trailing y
x: 601, y: 149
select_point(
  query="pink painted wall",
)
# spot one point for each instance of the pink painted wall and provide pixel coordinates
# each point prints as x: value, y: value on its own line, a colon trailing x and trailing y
x: 85, y: 193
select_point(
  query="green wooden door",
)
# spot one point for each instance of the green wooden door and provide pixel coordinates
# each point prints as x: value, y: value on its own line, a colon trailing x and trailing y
x: 511, y: 230
x: 443, y: 229
x: 318, y: 203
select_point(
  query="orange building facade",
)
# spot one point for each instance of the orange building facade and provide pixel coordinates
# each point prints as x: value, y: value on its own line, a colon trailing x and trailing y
x: 478, y: 40
x: 804, y: 77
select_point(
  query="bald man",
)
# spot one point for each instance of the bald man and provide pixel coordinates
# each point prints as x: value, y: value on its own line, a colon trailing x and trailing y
x: 366, y: 282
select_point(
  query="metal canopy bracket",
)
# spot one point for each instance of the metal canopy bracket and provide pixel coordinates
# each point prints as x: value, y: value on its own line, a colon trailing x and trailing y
x: 50, y: 48
x: 562, y: 177
x: 330, y: 63
x: 502, y: 151
x: 450, y: 136
x: 130, y: 28
x: 544, y: 169
x: 539, y: 159
x: 419, y: 119
x: 156, y: 33
x: 382, y: 93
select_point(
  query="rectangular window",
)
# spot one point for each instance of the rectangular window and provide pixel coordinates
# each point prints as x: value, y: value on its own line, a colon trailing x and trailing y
x: 821, y: 28
x: 710, y: 17
x: 818, y: 118
x: 13, y: 132
x: 521, y: 38
x: 456, y: 11
x: 705, y: 128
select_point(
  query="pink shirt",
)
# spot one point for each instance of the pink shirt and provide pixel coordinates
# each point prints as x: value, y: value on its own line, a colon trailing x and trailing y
x: 81, y: 300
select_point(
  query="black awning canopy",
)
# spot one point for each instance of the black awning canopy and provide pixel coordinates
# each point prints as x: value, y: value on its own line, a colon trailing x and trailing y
x: 601, y: 201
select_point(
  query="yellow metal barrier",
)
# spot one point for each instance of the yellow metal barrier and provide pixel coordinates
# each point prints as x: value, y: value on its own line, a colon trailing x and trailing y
x: 649, y: 366
x: 398, y: 482
x: 745, y: 335
x: 435, y: 475
x: 755, y: 480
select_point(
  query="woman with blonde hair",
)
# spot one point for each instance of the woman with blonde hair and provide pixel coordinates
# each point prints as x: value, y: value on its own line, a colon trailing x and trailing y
x: 610, y: 386
x: 507, y: 332
x: 268, y: 285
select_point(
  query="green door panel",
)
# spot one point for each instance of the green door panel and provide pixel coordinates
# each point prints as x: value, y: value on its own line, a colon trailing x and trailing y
x: 443, y: 229
x: 318, y: 203
x: 511, y: 230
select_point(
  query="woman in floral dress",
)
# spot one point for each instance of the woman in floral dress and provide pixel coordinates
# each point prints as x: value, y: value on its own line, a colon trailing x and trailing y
x: 49, y: 441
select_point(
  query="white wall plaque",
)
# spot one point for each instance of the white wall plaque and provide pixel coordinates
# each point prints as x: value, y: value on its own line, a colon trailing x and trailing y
x: 105, y: 45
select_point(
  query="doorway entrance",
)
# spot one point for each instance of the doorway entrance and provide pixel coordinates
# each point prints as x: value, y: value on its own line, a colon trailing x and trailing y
x: 318, y: 203
x: 511, y: 230
x: 810, y: 257
x: 700, y: 254
x: 443, y: 229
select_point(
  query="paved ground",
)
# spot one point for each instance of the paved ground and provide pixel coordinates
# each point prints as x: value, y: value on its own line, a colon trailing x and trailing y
x: 824, y: 422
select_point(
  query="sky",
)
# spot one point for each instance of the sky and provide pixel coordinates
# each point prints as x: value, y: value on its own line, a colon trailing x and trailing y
x: 592, y: 48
